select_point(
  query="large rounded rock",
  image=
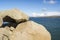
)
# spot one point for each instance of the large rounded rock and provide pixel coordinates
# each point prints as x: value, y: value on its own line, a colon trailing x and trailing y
x: 13, y: 14
x: 30, y: 31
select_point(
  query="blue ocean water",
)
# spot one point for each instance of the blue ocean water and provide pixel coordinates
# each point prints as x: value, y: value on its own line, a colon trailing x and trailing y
x: 52, y: 24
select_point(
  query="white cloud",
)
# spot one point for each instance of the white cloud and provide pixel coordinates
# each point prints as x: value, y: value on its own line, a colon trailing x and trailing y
x: 46, y: 14
x: 52, y: 2
x: 49, y: 1
x: 35, y: 14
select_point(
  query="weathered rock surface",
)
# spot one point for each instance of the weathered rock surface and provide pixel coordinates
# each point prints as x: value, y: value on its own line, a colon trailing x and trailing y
x: 5, y: 33
x: 20, y: 28
x: 1, y: 21
x: 15, y: 14
x: 30, y: 31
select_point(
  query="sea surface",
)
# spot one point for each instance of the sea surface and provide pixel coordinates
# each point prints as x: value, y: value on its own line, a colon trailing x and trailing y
x: 52, y: 24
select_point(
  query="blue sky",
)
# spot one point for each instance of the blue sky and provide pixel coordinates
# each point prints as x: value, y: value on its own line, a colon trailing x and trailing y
x: 30, y: 6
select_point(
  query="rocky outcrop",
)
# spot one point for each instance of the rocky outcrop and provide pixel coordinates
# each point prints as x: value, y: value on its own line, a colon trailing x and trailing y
x: 15, y: 14
x: 30, y: 31
x: 19, y: 27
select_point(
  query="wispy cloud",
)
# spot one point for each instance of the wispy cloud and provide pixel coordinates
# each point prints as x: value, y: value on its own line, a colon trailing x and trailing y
x: 52, y: 2
x: 49, y: 1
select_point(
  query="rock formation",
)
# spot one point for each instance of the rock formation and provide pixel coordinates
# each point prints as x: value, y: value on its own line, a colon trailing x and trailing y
x: 15, y: 14
x: 30, y: 31
x: 19, y: 27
